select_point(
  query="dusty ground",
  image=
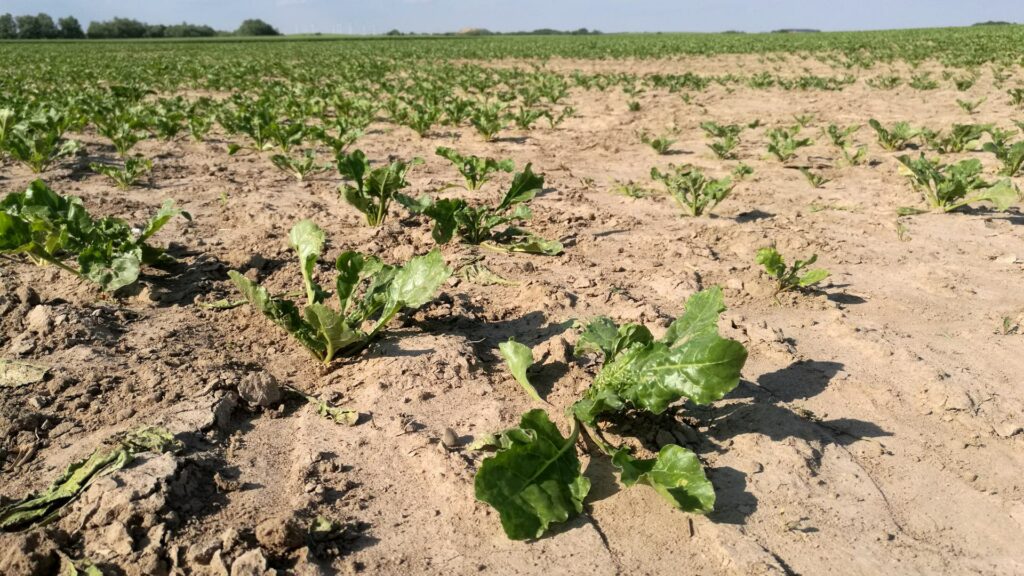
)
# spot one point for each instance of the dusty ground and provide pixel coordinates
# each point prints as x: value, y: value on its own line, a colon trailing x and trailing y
x: 878, y: 428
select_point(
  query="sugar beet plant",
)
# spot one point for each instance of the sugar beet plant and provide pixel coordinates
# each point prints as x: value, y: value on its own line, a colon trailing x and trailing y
x: 370, y: 293
x: 535, y: 477
x: 783, y: 143
x: 480, y: 224
x: 49, y: 228
x: 371, y: 190
x: 795, y: 277
x: 692, y: 189
x: 476, y: 171
x: 948, y: 187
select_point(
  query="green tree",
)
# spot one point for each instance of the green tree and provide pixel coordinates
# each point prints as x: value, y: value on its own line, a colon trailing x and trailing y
x: 8, y: 27
x: 70, y: 28
x: 118, y: 28
x: 256, y: 27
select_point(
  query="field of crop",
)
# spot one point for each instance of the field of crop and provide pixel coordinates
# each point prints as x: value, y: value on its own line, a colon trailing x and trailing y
x: 622, y: 304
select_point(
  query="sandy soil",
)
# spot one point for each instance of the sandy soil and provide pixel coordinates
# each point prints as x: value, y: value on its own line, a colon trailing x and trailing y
x: 878, y: 428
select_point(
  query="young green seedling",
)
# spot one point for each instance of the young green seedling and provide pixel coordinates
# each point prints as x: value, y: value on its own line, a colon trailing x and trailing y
x: 372, y: 190
x: 692, y: 190
x: 790, y: 277
x: 328, y: 332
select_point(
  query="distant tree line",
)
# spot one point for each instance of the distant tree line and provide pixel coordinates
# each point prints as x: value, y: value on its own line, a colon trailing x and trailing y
x: 486, y: 32
x: 42, y: 27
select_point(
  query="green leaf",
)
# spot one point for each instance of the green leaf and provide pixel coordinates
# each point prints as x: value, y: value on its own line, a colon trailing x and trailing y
x: 519, y: 358
x: 111, y: 273
x: 282, y: 312
x: 331, y: 330
x: 701, y: 317
x: 534, y: 480
x: 602, y: 335
x: 166, y: 212
x: 530, y: 245
x: 338, y: 415
x: 1003, y: 195
x: 414, y: 285
x: 692, y: 362
x: 813, y: 277
x: 307, y: 239
x: 445, y: 213
x: 525, y: 186
x: 772, y: 262
x: 676, y: 474
x: 15, y: 234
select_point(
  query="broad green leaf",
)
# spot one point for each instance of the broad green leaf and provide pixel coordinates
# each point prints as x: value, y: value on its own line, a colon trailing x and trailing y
x: 525, y: 186
x: 676, y: 474
x: 350, y: 266
x: 772, y: 262
x: 166, y: 212
x: 307, y: 239
x: 332, y: 330
x: 650, y: 377
x: 414, y: 285
x: 813, y: 277
x: 701, y: 317
x: 15, y: 234
x: 602, y: 335
x: 1002, y: 195
x: 519, y: 358
x: 444, y: 212
x: 534, y: 479
x: 120, y: 271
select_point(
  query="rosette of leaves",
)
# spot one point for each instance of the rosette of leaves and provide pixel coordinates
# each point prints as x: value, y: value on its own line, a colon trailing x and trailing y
x: 534, y: 479
x: 369, y: 294
x: 50, y: 228
x: 692, y: 189
x: 476, y: 171
x: 478, y: 224
x: 948, y: 187
x: 897, y: 137
x: 37, y: 141
x: 126, y: 176
x: 790, y: 277
x: 372, y: 190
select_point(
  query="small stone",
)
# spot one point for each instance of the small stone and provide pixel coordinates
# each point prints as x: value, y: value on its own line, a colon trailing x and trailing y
x: 279, y: 535
x: 116, y: 538
x: 26, y: 295
x: 39, y: 402
x: 1009, y: 429
x: 734, y: 284
x: 260, y: 389
x: 449, y: 439
x: 202, y: 553
x: 39, y: 320
x: 223, y: 410
x: 252, y: 563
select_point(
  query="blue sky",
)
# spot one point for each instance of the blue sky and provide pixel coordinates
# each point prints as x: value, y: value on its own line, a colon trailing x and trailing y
x: 376, y: 16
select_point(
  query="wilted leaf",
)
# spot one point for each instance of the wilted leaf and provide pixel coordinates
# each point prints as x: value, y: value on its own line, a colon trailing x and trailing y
x: 15, y: 373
